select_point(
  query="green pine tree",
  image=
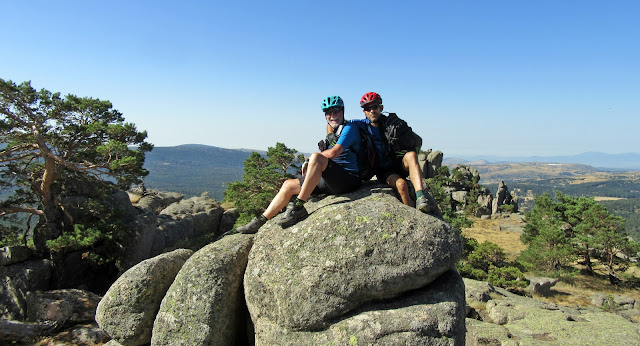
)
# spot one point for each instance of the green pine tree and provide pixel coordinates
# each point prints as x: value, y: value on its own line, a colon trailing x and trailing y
x: 262, y: 179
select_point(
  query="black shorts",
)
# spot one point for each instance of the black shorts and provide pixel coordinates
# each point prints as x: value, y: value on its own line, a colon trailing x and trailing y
x: 396, y: 167
x: 335, y: 180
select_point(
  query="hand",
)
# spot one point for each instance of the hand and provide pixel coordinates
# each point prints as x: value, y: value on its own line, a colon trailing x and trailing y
x: 304, y: 167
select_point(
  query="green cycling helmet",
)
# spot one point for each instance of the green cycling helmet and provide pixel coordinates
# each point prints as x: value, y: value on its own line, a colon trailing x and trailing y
x: 332, y: 101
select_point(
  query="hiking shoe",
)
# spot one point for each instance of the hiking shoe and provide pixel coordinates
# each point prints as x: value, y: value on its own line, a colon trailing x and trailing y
x: 423, y: 205
x: 292, y: 215
x: 251, y: 227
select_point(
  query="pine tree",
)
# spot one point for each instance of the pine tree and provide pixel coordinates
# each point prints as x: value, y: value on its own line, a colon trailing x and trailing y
x: 49, y: 142
x: 262, y: 179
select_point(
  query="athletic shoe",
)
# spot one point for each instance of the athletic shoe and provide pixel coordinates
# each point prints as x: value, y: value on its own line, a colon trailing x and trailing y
x: 292, y: 215
x: 423, y: 205
x: 251, y: 227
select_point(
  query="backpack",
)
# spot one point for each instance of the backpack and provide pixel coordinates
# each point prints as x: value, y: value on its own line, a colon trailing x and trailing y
x: 400, y: 137
x: 366, y: 156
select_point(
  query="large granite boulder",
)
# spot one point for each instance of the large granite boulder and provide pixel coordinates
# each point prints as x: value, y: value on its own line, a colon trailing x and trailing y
x: 128, y: 309
x: 190, y: 218
x: 352, y: 250
x: 204, y: 305
x: 431, y: 315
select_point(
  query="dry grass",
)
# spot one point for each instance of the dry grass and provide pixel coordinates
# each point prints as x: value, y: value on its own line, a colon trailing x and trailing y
x: 504, y: 232
x: 570, y: 291
x: 607, y: 198
x: 578, y: 290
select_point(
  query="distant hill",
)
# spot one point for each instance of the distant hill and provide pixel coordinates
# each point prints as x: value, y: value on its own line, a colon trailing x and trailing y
x: 193, y: 169
x: 493, y: 173
x: 627, y: 161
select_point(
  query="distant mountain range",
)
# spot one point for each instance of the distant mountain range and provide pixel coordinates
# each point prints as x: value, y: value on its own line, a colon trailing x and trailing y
x: 193, y: 169
x: 627, y: 161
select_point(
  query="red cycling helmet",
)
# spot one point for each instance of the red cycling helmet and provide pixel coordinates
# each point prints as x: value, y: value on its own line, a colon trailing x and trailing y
x: 370, y: 97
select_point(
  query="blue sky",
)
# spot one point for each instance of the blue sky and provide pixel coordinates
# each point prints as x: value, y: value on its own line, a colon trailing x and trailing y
x: 510, y: 78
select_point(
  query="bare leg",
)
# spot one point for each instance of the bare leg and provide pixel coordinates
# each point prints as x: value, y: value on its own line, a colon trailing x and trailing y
x: 317, y: 164
x: 400, y: 185
x: 410, y: 163
x: 288, y: 189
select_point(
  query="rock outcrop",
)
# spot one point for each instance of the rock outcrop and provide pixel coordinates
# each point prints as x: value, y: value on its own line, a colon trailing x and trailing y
x: 205, y: 305
x: 503, y: 318
x: 361, y: 267
x: 430, y: 161
x: 352, y: 251
x: 128, y: 309
x: 504, y: 198
x: 19, y: 279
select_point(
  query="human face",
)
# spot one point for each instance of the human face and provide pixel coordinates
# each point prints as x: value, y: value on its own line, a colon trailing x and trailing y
x: 373, y: 113
x: 335, y: 116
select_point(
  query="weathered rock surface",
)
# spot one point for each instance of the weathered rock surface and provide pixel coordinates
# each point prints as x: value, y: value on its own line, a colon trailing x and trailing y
x: 154, y: 201
x: 62, y: 306
x: 128, y: 309
x: 430, y: 161
x: 352, y: 250
x: 540, y: 285
x: 18, y: 279
x: 143, y: 242
x: 14, y: 254
x: 203, y: 305
x: 190, y: 218
x: 432, y: 315
x: 515, y: 320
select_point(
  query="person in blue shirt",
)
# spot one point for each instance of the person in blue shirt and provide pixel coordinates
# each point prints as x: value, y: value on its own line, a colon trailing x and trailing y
x: 389, y: 167
x: 332, y: 171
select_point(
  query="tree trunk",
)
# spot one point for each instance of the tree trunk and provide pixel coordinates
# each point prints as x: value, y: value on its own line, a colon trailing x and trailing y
x: 49, y: 227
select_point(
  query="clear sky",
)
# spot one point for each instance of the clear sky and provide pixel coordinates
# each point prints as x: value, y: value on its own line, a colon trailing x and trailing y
x: 511, y: 78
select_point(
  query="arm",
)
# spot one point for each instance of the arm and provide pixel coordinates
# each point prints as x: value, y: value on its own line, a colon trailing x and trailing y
x: 333, y: 152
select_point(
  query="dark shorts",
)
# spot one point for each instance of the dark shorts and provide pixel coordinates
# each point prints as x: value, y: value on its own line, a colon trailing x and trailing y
x: 396, y: 167
x: 335, y: 180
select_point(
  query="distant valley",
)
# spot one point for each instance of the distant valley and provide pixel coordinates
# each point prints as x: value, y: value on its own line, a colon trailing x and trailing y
x: 193, y: 169
x: 602, y: 161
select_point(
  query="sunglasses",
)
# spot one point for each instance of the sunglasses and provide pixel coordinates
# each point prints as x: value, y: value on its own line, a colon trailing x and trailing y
x: 332, y: 111
x: 369, y: 108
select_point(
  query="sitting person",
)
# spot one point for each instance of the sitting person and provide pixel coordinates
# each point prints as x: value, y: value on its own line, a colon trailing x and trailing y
x: 332, y: 171
x: 396, y: 158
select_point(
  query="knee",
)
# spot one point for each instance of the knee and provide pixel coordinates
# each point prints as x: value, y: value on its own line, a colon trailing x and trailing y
x: 290, y: 186
x: 411, y: 156
x: 401, y: 186
x: 317, y: 157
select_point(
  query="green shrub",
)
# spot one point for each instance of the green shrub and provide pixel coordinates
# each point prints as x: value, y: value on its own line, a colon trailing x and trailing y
x: 509, y: 277
x: 82, y: 237
x: 468, y: 271
x: 487, y: 255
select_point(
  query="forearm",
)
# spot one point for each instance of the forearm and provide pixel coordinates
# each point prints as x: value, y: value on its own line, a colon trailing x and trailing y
x: 333, y: 152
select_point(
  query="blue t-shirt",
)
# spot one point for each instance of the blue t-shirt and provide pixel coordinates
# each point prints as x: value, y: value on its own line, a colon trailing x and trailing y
x: 350, y: 141
x: 383, y: 160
